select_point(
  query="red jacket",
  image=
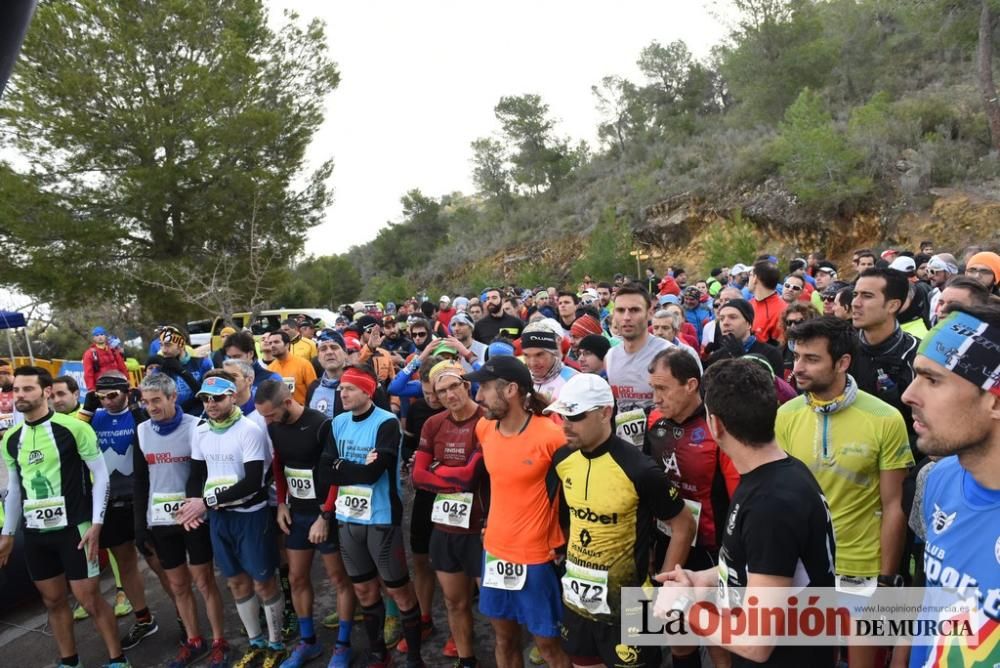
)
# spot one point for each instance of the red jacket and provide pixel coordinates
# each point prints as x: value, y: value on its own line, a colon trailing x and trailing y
x: 767, y: 317
x: 98, y: 360
x: 444, y: 317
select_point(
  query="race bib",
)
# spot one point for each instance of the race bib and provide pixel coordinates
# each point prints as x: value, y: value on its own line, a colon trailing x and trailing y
x: 631, y: 426
x: 289, y: 382
x: 858, y: 586
x: 215, y: 485
x: 452, y: 509
x: 500, y: 574
x: 726, y: 597
x: 47, y: 513
x: 300, y: 483
x: 355, y: 502
x: 695, y: 508
x: 586, y: 588
x: 164, y: 507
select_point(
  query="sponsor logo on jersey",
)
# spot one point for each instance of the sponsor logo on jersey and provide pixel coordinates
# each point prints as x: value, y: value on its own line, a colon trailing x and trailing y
x: 996, y: 549
x: 731, y: 525
x: 35, y: 457
x: 628, y: 655
x: 941, y: 520
x: 164, y: 458
x: 698, y: 435
x: 588, y: 515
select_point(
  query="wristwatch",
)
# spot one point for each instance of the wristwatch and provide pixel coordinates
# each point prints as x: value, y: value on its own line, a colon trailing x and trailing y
x: 326, y: 515
x: 211, y: 501
x: 890, y: 580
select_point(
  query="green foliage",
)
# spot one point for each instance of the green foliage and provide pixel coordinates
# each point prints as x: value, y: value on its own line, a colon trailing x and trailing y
x: 390, y: 289
x: 164, y: 139
x: 540, y: 160
x: 730, y: 242
x: 818, y: 164
x: 326, y: 281
x: 607, y: 250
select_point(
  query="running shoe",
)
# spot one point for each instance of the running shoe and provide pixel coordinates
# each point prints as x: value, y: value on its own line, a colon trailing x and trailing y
x: 79, y: 612
x: 450, y: 649
x: 341, y: 657
x: 426, y: 631
x: 117, y: 664
x: 302, y: 654
x: 139, y: 631
x: 189, y: 653
x: 66, y: 665
x: 274, y: 657
x: 331, y: 621
x: 535, y: 656
x: 123, y: 606
x: 219, y: 658
x: 252, y: 657
x: 375, y: 660
x: 290, y: 625
x: 392, y: 631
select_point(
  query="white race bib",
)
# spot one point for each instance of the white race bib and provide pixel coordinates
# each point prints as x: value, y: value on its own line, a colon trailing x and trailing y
x: 300, y: 483
x: 49, y: 513
x: 164, y: 507
x: 631, y: 426
x: 452, y: 509
x: 355, y: 502
x: 695, y: 508
x: 500, y: 574
x: 215, y: 485
x: 858, y: 586
x: 289, y: 382
x: 586, y: 588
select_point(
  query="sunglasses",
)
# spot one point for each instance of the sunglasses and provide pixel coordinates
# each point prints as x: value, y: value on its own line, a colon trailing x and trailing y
x: 791, y: 323
x: 796, y: 288
x: 212, y: 398
x: 418, y: 335
x: 579, y: 417
x: 830, y: 299
x: 110, y: 396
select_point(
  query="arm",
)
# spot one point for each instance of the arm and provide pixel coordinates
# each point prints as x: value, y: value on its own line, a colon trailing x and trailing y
x: 120, y: 362
x: 893, y: 532
x: 403, y: 385
x: 102, y: 487
x: 12, y: 507
x: 88, y: 369
x: 655, y: 487
x: 280, y: 483
x: 140, y: 480
x: 682, y: 530
x: 253, y: 474
x: 386, y: 453
x: 196, y: 479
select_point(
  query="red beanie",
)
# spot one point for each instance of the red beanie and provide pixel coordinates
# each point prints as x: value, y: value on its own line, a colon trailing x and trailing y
x: 584, y: 325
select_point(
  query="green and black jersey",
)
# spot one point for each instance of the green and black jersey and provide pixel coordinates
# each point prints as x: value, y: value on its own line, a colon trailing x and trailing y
x: 47, y: 458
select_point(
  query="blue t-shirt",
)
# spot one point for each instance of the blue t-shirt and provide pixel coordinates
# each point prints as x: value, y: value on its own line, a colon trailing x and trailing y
x: 115, y: 436
x: 962, y: 551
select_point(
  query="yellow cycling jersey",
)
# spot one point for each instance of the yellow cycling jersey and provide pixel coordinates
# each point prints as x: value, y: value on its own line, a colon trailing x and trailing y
x: 846, y: 450
x: 612, y: 495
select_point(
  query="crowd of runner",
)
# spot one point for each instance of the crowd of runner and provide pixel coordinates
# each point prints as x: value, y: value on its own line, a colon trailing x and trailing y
x: 775, y: 424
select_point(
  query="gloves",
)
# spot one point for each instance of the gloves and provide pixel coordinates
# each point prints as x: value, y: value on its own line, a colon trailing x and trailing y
x: 732, y: 346
x: 91, y: 403
x: 172, y: 364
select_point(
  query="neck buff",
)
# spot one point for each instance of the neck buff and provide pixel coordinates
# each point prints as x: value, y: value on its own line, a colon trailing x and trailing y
x: 328, y: 382
x: 837, y: 403
x: 168, y: 426
x: 967, y: 346
x: 557, y: 366
x: 225, y: 423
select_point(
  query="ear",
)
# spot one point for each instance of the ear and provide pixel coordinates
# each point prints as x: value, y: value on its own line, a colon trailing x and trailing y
x: 994, y: 406
x: 716, y: 427
x: 691, y: 385
x: 843, y: 364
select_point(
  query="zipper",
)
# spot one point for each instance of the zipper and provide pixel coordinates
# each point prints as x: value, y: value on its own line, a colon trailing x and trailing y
x: 586, y: 484
x: 826, y: 435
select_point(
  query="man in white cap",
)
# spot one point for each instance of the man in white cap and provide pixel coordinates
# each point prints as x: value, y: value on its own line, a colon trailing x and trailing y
x: 603, y: 476
x: 940, y: 269
x: 445, y: 311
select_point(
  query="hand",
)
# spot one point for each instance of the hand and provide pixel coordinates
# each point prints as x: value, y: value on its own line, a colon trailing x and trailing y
x: 318, y: 531
x: 732, y: 345
x: 144, y: 541
x: 172, y: 364
x: 677, y: 577
x: 6, y: 547
x: 375, y: 338
x: 457, y: 345
x: 91, y: 403
x: 372, y: 456
x: 284, y: 518
x: 678, y: 584
x: 90, y: 543
x: 194, y: 509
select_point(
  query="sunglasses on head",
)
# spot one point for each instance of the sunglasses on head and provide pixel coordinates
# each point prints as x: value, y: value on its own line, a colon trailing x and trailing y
x: 110, y: 395
x: 796, y: 288
x: 579, y: 416
x: 212, y: 398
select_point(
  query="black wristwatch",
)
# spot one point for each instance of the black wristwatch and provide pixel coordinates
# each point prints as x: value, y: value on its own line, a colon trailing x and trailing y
x: 890, y: 580
x: 326, y: 515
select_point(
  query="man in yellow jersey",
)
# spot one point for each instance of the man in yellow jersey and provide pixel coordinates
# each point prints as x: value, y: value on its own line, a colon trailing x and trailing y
x: 298, y: 345
x: 612, y: 492
x: 857, y: 448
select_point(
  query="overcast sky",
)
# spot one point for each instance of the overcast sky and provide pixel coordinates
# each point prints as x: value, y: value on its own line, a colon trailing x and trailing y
x: 419, y: 81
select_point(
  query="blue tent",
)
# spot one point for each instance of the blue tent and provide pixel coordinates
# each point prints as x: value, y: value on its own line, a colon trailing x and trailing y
x: 10, y: 320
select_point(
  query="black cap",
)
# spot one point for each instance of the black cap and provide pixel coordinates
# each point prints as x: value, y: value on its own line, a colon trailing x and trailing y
x: 111, y: 380
x: 595, y: 343
x: 743, y: 306
x: 504, y: 367
x: 366, y: 322
x: 540, y: 338
x: 827, y: 266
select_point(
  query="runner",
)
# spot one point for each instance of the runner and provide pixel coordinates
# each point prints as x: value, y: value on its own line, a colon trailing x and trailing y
x: 187, y: 371
x: 65, y: 395
x: 296, y: 371
x: 520, y: 584
x: 495, y: 322
x: 543, y: 357
x: 449, y: 463
x: 241, y: 346
x: 593, y: 348
x: 627, y: 365
x: 735, y: 325
x: 162, y: 461
x: 956, y: 405
x: 856, y: 447
x: 778, y: 533
x: 612, y: 493
x: 115, y: 424
x: 47, y: 459
x: 228, y: 457
x: 298, y: 435
x: 370, y: 511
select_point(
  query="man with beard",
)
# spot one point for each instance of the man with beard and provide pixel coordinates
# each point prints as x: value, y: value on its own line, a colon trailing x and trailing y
x: 299, y: 435
x: 50, y: 459
x: 519, y: 584
x: 956, y: 409
x: 296, y: 372
x: 496, y: 322
x: 7, y: 393
x: 941, y: 268
x: 462, y: 327
x: 186, y: 370
x: 399, y: 345
x: 241, y: 346
x: 857, y: 448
